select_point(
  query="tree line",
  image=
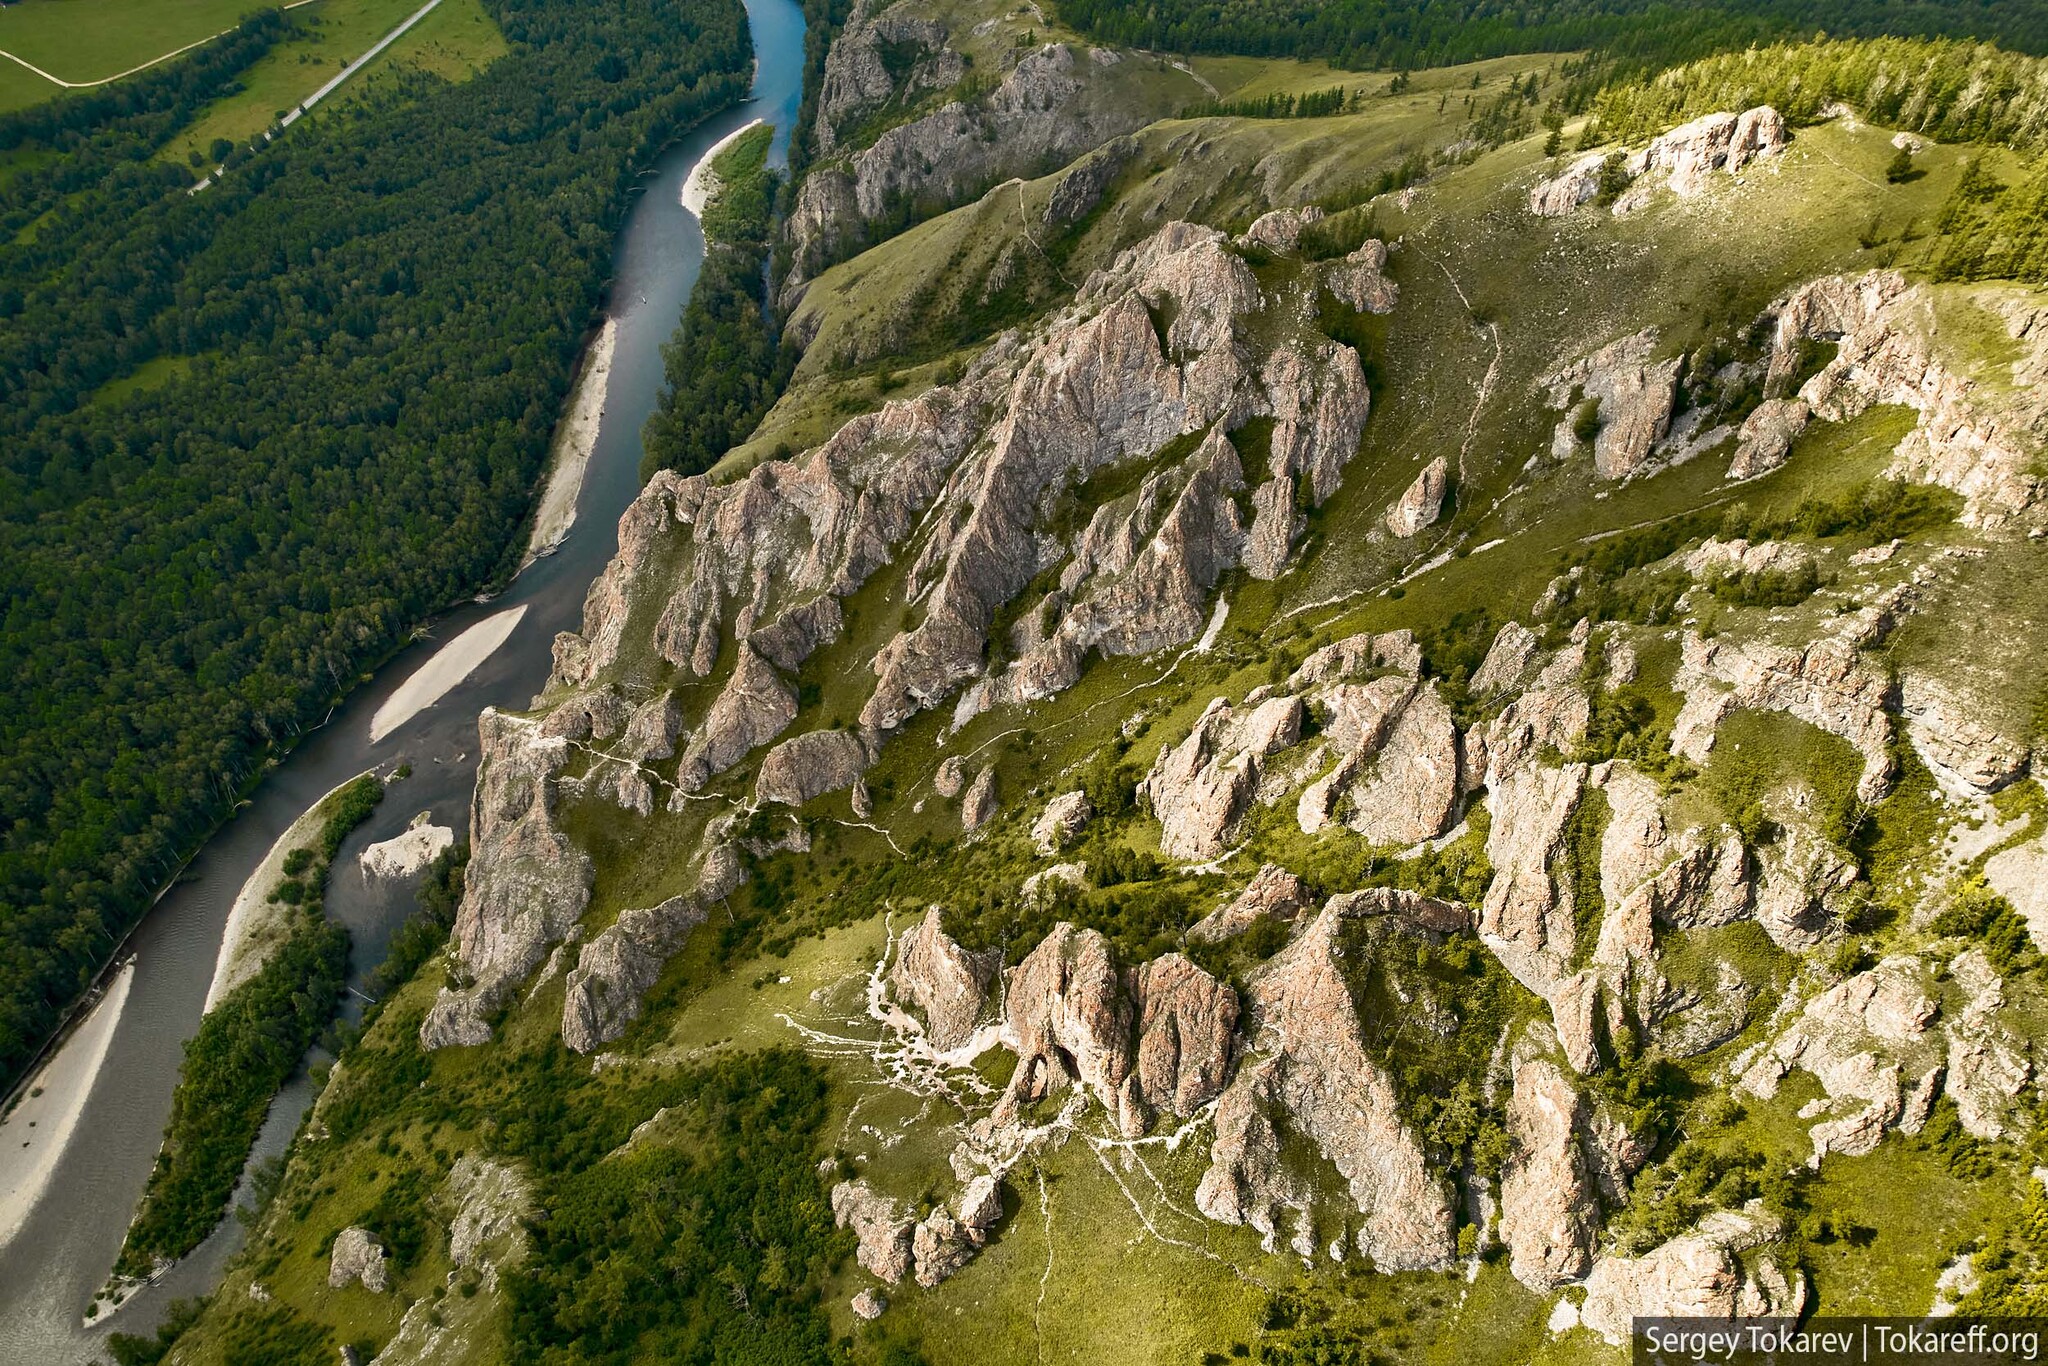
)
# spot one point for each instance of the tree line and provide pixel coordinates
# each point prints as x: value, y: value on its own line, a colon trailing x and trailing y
x: 345, y: 360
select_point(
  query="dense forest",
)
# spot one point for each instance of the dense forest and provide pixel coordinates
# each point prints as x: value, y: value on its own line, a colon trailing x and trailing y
x: 725, y: 366
x: 1409, y: 34
x: 253, y: 434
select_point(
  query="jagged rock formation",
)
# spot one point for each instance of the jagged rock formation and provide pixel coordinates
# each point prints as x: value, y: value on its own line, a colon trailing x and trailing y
x: 1309, y: 1073
x: 1280, y: 230
x: 1550, y: 1213
x: 1683, y: 160
x: 1989, y: 1064
x: 1064, y: 817
x: 1046, y: 111
x: 754, y: 707
x: 1767, y: 435
x: 357, y: 1258
x: 1953, y: 735
x: 602, y: 992
x: 1272, y: 894
x: 1866, y: 1041
x: 1636, y: 395
x: 1423, y: 500
x: 944, y: 981
x: 1967, y: 439
x: 1826, y: 683
x: 1199, y: 788
x: 486, y: 1237
x: 1069, y: 1021
x: 1578, y: 183
x: 857, y: 75
x: 527, y: 884
x: 1697, y: 1275
x: 1186, y: 1023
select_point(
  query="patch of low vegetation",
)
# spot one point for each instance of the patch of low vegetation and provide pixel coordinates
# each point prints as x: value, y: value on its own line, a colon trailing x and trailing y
x: 1975, y: 911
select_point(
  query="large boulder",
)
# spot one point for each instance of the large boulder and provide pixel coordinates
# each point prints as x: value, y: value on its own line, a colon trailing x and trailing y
x: 357, y: 1259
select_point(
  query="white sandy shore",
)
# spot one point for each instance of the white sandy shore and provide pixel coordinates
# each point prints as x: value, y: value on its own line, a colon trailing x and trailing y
x: 697, y: 190
x: 574, y: 440
x: 34, y: 1136
x: 405, y: 854
x: 250, y: 932
x: 451, y: 664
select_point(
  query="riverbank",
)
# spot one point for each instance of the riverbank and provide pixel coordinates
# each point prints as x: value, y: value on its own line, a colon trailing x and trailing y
x: 256, y: 925
x: 703, y: 181
x: 451, y: 664
x: 575, y: 439
x: 34, y: 1133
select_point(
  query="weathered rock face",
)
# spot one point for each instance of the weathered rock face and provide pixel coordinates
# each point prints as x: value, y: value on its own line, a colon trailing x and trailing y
x: 1860, y: 1039
x: 1064, y: 817
x: 1507, y: 661
x: 950, y: 776
x: 1637, y: 396
x: 1989, y: 1065
x: 1968, y: 440
x: 1424, y: 499
x: 1689, y: 878
x: 1686, y: 157
x: 857, y: 77
x: 1404, y: 788
x: 978, y: 807
x: 1767, y: 435
x: 1139, y: 579
x: 754, y: 707
x: 1549, y: 1203
x: 1576, y: 184
x: 1275, y: 524
x: 1951, y: 733
x: 870, y: 1304
x: 1825, y: 683
x: 1068, y: 1020
x: 884, y: 1230
x: 1041, y: 114
x: 1310, y: 1073
x: 1802, y: 901
x: 1697, y: 1275
x: 1186, y: 1024
x: 2020, y: 875
x: 944, y: 981
x: 1280, y: 230
x: 1272, y: 894
x: 527, y: 884
x: 1199, y: 788
x: 617, y: 967
x: 807, y: 766
x: 1084, y: 184
x: 358, y: 1258
x: 1359, y: 280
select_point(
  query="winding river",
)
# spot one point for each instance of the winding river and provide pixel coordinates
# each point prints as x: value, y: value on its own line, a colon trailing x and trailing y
x: 125, y: 1054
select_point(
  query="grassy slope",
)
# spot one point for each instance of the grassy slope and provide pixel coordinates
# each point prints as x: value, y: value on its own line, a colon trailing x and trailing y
x: 87, y: 40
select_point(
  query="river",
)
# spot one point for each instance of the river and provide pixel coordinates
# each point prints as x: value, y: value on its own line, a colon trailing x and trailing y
x: 50, y: 1270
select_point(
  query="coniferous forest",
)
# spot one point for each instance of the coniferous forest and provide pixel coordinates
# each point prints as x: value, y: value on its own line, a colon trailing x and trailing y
x: 250, y: 435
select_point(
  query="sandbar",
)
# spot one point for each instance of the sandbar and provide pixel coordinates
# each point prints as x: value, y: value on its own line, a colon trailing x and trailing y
x: 451, y: 664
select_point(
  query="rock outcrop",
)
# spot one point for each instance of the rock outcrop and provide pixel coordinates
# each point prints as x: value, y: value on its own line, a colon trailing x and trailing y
x: 1186, y: 1025
x: 808, y: 766
x: 882, y: 1227
x: 1578, y: 183
x: 1550, y: 1213
x: 754, y: 707
x: 978, y: 806
x: 1069, y: 1021
x: 1686, y: 158
x: 1309, y: 1073
x: 945, y: 982
x: 1419, y: 506
x: 1199, y: 788
x: 1863, y: 1039
x: 1359, y: 280
x: 603, y: 991
x: 1272, y: 894
x: 527, y: 883
x: 1062, y: 821
x: 1636, y: 395
x: 1701, y: 1274
x: 1767, y: 435
x: 357, y: 1259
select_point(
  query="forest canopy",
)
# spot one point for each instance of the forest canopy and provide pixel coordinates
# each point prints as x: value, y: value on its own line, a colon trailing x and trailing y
x: 250, y: 436
x: 1410, y: 34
